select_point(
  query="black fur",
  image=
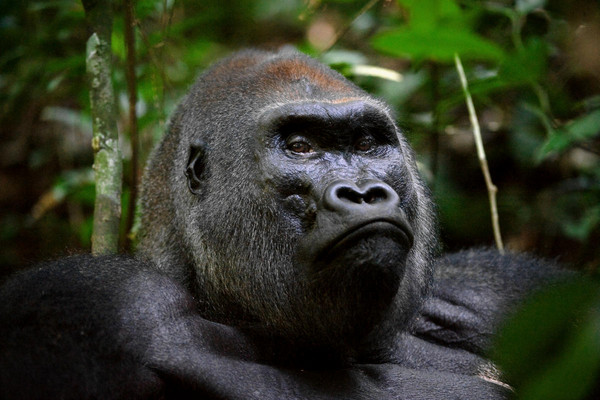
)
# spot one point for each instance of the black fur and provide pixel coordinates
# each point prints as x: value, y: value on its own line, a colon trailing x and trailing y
x: 287, y: 247
x: 115, y: 328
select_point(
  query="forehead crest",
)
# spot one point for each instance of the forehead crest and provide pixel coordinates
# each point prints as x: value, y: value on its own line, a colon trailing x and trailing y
x: 269, y: 74
x: 302, y: 72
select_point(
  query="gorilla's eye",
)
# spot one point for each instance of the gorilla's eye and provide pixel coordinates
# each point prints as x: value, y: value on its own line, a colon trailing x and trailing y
x: 298, y: 144
x: 364, y: 144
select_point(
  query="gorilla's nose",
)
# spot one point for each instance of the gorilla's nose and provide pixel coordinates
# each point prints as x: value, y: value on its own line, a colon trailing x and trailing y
x: 371, y: 195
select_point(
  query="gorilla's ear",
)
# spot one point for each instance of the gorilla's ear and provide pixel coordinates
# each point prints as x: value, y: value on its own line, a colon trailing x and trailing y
x: 196, y: 167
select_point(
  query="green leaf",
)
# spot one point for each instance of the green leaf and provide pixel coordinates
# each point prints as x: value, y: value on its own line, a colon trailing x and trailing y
x: 582, y: 228
x: 579, y: 130
x: 439, y: 44
x: 551, y: 348
x: 428, y: 14
x: 575, y: 372
x: 526, y: 65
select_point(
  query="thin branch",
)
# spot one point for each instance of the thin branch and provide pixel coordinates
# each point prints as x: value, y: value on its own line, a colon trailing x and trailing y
x: 346, y: 28
x: 133, y: 128
x: 491, y: 188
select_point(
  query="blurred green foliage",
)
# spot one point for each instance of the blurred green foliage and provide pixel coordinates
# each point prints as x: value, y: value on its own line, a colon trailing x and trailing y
x: 533, y: 68
x: 551, y: 348
x: 436, y: 30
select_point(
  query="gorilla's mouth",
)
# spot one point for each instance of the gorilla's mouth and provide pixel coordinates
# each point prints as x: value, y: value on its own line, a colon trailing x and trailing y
x: 396, y: 229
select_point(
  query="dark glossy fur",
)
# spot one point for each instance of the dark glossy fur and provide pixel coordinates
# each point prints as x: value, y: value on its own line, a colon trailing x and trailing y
x: 242, y: 289
x: 116, y: 328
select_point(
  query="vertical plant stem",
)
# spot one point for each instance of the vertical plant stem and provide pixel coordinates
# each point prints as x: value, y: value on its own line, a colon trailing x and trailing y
x: 491, y: 188
x: 108, y: 165
x: 133, y: 129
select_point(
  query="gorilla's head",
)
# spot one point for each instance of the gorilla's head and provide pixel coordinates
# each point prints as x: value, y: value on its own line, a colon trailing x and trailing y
x: 287, y: 198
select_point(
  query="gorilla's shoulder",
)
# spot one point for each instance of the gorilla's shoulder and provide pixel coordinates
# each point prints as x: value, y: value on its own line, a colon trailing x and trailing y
x: 475, y: 290
x: 77, y: 285
x: 84, y: 269
x: 518, y: 273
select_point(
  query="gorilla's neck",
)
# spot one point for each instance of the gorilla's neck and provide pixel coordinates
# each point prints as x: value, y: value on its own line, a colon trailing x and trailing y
x: 368, y: 337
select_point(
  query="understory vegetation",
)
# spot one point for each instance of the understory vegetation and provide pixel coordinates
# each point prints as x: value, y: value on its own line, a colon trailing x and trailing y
x: 533, y: 70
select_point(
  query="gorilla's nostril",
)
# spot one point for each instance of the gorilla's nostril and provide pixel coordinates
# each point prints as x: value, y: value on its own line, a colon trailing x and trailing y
x: 375, y: 195
x: 347, y: 193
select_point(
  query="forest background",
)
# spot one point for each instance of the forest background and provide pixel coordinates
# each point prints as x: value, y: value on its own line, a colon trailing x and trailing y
x: 533, y: 68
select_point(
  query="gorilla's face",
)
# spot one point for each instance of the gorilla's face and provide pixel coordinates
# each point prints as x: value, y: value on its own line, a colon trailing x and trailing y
x: 336, y: 172
x: 310, y: 221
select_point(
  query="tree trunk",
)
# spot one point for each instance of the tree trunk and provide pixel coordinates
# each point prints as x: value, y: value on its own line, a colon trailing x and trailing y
x: 108, y: 165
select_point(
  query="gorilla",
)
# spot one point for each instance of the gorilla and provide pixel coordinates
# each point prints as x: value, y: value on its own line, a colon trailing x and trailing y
x: 287, y: 251
x: 298, y: 189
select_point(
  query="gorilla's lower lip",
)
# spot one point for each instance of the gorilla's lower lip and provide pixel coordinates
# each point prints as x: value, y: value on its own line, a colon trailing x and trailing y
x: 397, y: 230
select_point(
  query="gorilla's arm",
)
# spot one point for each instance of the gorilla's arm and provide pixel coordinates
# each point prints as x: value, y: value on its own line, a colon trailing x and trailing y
x: 112, y: 327
x: 474, y: 291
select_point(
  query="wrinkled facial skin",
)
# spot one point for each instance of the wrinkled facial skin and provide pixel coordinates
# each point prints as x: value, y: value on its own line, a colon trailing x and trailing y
x: 330, y: 166
x: 337, y: 176
x: 302, y: 213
